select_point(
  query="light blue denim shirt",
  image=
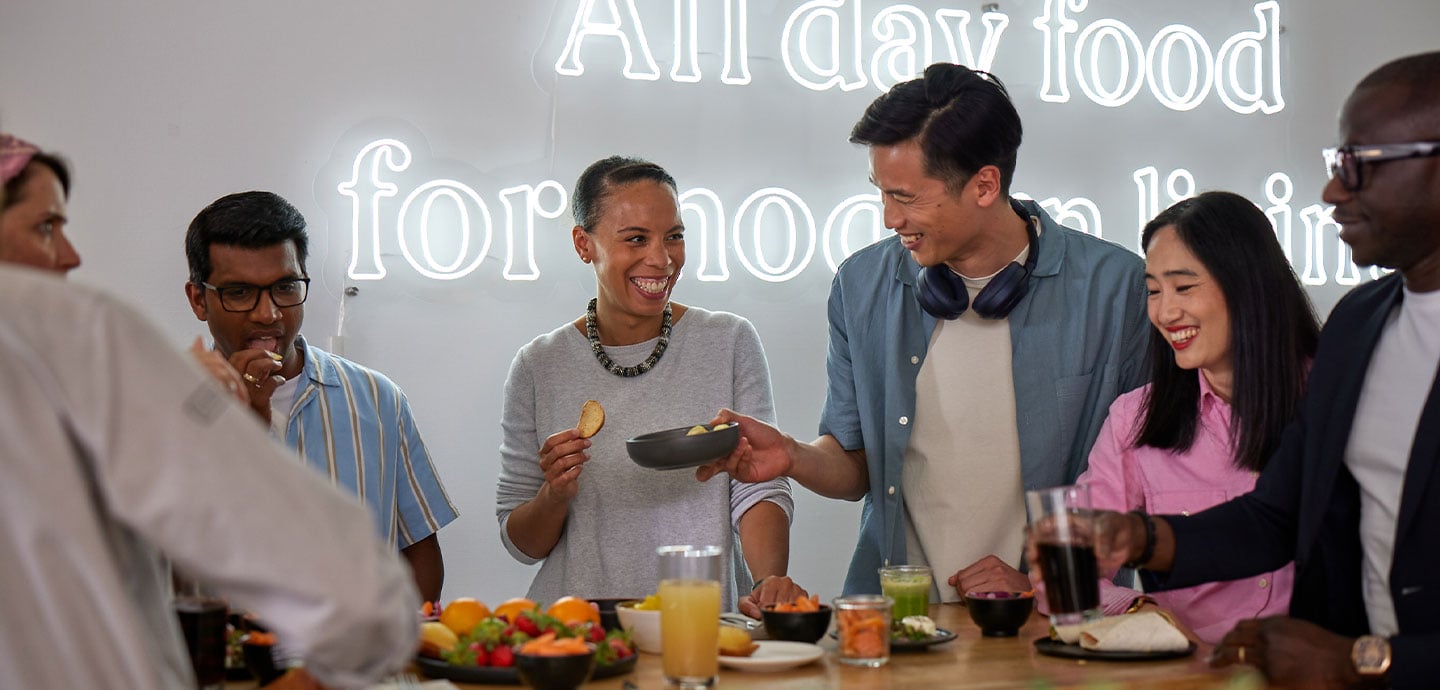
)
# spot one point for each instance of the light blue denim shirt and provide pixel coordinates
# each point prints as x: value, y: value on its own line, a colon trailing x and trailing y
x: 1078, y: 341
x: 354, y: 425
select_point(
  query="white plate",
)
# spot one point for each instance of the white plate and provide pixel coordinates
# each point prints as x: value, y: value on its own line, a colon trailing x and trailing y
x: 774, y: 655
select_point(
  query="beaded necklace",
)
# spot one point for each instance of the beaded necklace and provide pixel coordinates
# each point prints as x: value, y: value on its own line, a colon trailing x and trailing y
x: 593, y: 333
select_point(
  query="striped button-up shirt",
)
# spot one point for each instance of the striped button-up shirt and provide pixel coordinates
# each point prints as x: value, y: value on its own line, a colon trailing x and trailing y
x: 353, y: 424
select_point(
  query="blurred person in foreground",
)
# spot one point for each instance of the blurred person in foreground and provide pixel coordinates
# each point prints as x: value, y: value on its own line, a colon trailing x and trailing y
x: 579, y: 504
x: 248, y: 283
x: 1233, y: 338
x: 972, y: 355
x: 119, y: 455
x: 1353, y: 492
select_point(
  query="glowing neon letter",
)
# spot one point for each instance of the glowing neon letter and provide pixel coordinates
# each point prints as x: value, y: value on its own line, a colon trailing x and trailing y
x: 1055, y: 84
x: 395, y: 156
x: 958, y: 39
x: 586, y: 25
x: 1148, y: 181
x: 737, y: 43
x: 1201, y: 67
x: 841, y: 223
x: 1079, y: 213
x: 457, y: 193
x: 898, y: 53
x: 1278, y: 191
x: 1127, y: 46
x: 532, y: 207
x: 1317, y: 219
x: 687, y: 43
x: 787, y: 202
x: 687, y: 57
x: 1264, y: 48
x: 796, y: 40
x: 710, y: 230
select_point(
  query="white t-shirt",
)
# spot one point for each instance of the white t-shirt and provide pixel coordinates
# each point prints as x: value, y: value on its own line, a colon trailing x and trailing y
x: 1396, y: 387
x: 964, y: 496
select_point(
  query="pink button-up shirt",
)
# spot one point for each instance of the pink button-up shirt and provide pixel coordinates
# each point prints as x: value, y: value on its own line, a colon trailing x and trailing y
x: 1123, y: 477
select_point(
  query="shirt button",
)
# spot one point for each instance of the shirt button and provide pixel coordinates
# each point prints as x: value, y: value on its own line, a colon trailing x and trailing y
x: 904, y: 421
x: 914, y: 359
x: 1264, y: 583
x: 891, y: 491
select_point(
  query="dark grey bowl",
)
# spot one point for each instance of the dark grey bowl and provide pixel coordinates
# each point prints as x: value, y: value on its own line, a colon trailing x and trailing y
x: 673, y: 450
x: 555, y: 672
x: 999, y: 614
x: 608, y: 618
x: 796, y: 627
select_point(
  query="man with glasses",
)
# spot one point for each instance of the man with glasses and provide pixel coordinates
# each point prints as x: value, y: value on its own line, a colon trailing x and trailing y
x: 248, y: 283
x: 1353, y: 493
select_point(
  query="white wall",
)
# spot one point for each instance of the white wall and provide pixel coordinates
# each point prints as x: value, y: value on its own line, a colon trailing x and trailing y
x: 165, y: 105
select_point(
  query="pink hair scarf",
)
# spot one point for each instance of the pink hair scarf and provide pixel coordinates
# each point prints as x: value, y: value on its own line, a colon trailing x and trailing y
x: 15, y: 154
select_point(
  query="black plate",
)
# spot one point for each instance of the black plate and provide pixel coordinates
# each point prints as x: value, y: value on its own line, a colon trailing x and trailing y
x: 492, y: 675
x: 1051, y: 647
x: 674, y: 449
x: 905, y: 644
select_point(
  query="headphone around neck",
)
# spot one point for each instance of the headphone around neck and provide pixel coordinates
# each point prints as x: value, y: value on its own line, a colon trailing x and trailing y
x: 942, y: 293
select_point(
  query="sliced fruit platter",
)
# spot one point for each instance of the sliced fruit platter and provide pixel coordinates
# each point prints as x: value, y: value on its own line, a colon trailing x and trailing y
x: 467, y: 642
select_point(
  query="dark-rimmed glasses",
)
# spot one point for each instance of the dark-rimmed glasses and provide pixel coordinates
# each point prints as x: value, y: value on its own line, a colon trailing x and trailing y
x: 1347, y: 163
x: 287, y: 292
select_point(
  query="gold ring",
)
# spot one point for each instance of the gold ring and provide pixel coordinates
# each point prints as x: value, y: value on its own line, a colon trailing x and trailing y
x: 251, y: 378
x: 1242, y: 653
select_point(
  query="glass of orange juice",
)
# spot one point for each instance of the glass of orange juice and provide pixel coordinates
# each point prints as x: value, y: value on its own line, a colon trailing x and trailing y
x: 690, y: 614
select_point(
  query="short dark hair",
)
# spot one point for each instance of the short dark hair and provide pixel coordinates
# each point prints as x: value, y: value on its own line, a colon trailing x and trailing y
x: 1419, y: 74
x: 1273, y: 330
x: 962, y: 118
x: 603, y: 176
x: 250, y: 220
x: 56, y: 165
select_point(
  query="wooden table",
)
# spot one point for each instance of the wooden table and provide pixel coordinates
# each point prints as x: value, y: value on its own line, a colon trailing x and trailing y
x: 971, y: 661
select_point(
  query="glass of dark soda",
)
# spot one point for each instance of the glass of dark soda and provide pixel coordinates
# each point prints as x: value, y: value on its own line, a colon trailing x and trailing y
x: 1064, y: 537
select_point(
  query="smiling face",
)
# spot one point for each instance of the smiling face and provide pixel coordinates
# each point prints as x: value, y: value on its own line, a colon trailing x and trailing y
x: 1391, y: 221
x: 32, y: 229
x: 266, y: 326
x: 937, y: 225
x: 1187, y: 306
x: 638, y: 248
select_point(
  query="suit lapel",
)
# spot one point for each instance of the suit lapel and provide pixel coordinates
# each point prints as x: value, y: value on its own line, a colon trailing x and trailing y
x: 1423, y: 453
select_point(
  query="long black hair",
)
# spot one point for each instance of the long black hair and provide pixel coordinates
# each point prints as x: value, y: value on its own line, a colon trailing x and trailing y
x: 1273, y: 331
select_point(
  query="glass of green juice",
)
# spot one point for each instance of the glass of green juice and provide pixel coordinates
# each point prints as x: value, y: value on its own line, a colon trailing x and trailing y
x: 909, y: 586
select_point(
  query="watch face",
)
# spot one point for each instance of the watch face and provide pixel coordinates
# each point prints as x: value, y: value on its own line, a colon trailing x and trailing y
x: 1371, y: 655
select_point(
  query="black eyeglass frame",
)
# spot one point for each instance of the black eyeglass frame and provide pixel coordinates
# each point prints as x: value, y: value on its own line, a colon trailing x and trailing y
x: 270, y: 289
x: 1341, y: 161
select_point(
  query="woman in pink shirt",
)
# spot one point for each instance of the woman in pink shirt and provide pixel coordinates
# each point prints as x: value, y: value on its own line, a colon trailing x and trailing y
x: 1234, y: 336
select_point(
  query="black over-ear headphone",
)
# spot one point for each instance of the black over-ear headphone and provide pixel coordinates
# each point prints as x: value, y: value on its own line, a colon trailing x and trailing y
x: 942, y: 293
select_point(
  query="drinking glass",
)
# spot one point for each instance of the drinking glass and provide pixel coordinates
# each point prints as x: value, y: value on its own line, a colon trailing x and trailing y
x: 202, y: 618
x: 690, y: 614
x: 1063, y: 532
x: 909, y: 587
x: 863, y: 621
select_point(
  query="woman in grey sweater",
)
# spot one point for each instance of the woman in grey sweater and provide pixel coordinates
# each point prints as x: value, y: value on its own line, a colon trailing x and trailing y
x: 580, y: 505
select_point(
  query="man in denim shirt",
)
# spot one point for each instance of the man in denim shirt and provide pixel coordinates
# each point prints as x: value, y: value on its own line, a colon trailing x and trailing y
x: 975, y: 404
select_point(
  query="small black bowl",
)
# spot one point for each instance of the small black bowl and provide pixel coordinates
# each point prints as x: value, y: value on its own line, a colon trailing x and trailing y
x: 673, y: 449
x: 809, y: 626
x: 609, y: 620
x: 999, y: 614
x: 260, y: 659
x: 555, y: 672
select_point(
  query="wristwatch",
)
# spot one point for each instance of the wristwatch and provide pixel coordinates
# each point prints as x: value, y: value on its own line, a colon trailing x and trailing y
x: 1371, y: 656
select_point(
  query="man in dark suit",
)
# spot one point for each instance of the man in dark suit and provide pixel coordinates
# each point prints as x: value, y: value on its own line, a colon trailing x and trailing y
x: 1353, y: 494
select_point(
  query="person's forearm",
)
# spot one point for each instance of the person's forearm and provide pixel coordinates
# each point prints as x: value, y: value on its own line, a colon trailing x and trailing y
x: 535, y: 526
x: 428, y: 566
x: 765, y: 540
x: 826, y: 468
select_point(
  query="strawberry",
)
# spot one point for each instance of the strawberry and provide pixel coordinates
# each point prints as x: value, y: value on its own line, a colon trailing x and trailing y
x: 596, y: 634
x: 619, y: 646
x: 479, y: 651
x: 502, y: 656
x: 525, y: 624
